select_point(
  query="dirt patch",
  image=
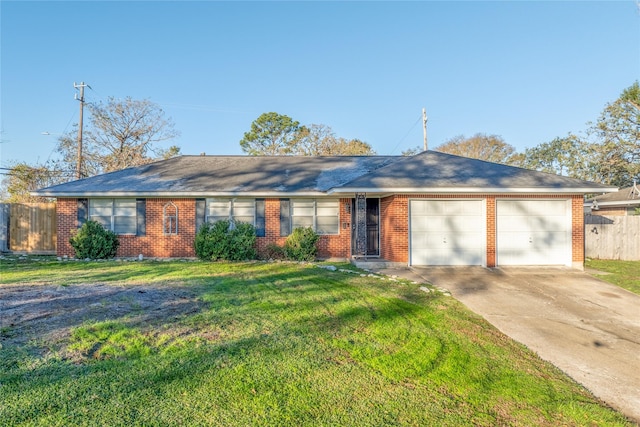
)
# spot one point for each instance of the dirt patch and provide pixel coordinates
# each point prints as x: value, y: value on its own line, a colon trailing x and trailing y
x: 45, y: 315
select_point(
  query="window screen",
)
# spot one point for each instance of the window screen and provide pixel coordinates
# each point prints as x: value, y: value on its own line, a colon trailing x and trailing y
x: 117, y: 215
x: 321, y: 215
x: 238, y: 210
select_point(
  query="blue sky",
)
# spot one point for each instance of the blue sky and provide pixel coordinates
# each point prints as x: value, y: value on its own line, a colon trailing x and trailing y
x: 527, y: 71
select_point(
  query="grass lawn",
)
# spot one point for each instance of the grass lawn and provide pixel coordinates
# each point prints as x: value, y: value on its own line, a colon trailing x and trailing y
x: 264, y: 344
x: 625, y: 274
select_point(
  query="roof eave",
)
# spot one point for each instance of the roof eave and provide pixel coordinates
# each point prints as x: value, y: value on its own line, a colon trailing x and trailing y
x: 615, y: 203
x: 475, y: 190
x: 176, y: 194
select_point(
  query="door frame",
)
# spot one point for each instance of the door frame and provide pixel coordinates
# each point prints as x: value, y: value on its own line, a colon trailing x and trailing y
x: 369, y: 200
x: 568, y: 231
x: 484, y: 229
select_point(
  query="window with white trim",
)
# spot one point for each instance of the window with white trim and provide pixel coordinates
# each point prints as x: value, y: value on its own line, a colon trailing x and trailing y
x: 236, y: 210
x: 170, y: 219
x: 321, y: 215
x: 117, y: 215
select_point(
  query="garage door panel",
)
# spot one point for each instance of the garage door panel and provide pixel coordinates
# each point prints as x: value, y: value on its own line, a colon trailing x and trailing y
x: 533, y: 232
x: 464, y: 223
x: 513, y: 223
x: 549, y: 223
x: 447, y: 232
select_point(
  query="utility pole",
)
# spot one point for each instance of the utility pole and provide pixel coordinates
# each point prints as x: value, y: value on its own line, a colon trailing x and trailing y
x: 80, y: 98
x: 424, y: 127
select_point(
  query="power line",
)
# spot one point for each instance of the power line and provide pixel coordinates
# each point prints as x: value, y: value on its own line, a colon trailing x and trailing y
x: 407, y: 134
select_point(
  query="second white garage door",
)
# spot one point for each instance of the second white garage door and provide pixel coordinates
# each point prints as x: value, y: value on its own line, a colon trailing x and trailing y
x: 447, y: 232
x: 533, y: 232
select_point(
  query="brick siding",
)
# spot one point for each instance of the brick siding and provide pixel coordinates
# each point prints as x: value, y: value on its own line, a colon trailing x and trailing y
x: 153, y: 244
x: 394, y: 223
x: 394, y: 228
x: 157, y: 245
x: 611, y: 211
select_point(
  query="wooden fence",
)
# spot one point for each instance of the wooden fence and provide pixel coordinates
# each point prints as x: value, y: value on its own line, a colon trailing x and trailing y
x: 31, y: 227
x: 612, y: 237
x: 4, y: 226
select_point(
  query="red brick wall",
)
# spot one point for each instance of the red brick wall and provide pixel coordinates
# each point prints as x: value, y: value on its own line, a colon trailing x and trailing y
x: 394, y: 228
x: 492, y: 235
x: 67, y: 212
x: 577, y: 229
x: 394, y: 224
x: 613, y: 211
x: 339, y: 245
x: 329, y: 246
x: 155, y: 244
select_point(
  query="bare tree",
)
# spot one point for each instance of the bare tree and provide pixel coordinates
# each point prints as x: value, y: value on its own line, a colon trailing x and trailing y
x: 121, y: 134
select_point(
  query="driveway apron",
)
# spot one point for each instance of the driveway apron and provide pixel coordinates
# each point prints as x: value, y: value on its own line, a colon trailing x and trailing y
x: 586, y: 327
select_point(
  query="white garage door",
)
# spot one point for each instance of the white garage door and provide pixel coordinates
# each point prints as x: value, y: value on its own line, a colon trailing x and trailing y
x: 533, y: 232
x: 447, y: 232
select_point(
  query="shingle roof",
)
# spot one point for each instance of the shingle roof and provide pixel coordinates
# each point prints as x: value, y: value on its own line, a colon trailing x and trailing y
x: 228, y: 175
x: 430, y: 171
x: 629, y: 195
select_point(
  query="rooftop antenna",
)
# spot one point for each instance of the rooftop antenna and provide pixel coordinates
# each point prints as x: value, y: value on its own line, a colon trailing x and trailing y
x: 635, y: 191
x: 424, y: 128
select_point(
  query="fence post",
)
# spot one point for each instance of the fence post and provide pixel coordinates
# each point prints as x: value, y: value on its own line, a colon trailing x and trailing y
x: 4, y: 227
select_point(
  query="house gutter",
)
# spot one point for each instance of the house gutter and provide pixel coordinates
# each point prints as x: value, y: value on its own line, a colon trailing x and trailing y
x: 618, y: 203
x: 175, y: 194
x: 475, y: 190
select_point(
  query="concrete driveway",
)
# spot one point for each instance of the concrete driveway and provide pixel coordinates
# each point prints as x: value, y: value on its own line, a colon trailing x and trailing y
x: 588, y: 328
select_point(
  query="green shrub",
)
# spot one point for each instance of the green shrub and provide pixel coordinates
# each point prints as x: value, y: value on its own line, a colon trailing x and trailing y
x: 273, y: 251
x: 93, y: 241
x: 301, y: 244
x: 220, y: 241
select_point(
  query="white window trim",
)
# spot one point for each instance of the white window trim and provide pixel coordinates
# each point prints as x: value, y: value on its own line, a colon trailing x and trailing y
x: 315, y: 214
x: 230, y: 207
x: 170, y: 228
x: 112, y: 224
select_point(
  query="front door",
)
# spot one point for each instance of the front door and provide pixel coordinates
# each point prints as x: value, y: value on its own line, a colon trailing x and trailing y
x: 372, y: 231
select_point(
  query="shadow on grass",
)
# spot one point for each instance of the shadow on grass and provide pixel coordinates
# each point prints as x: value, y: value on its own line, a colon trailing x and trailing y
x: 287, y: 339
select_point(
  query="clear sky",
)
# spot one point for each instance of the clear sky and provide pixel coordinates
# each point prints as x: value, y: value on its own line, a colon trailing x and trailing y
x: 527, y: 71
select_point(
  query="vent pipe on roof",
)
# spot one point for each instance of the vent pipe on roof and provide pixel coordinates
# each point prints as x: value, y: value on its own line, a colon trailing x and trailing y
x: 634, y: 190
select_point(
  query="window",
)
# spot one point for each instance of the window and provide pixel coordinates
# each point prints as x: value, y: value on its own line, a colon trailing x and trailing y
x: 321, y: 215
x: 237, y: 210
x: 117, y: 215
x: 170, y: 219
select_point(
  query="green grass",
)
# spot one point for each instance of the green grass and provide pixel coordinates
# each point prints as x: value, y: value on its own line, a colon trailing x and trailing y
x: 625, y: 274
x: 283, y: 345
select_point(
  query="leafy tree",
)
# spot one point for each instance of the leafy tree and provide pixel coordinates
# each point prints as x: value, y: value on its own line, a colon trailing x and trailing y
x: 491, y: 148
x: 271, y: 134
x: 320, y: 140
x: 21, y: 178
x: 121, y: 134
x: 351, y: 147
x: 413, y: 151
x: 616, y: 152
x: 568, y: 156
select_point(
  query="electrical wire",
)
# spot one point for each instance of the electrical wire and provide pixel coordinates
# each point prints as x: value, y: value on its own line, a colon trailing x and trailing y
x: 407, y: 134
